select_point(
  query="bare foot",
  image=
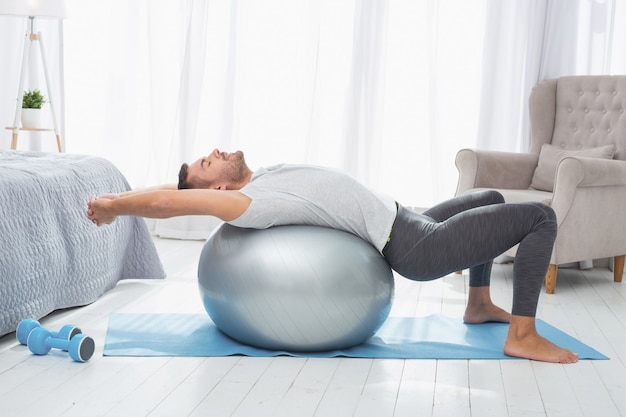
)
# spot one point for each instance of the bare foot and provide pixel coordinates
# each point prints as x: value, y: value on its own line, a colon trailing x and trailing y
x: 523, y: 341
x: 480, y: 308
x: 486, y: 314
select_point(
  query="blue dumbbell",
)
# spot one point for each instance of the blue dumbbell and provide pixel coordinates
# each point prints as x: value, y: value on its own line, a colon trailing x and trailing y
x: 80, y: 347
x: 28, y: 325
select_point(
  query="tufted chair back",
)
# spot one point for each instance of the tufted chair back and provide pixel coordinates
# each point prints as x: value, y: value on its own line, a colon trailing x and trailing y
x: 579, y: 112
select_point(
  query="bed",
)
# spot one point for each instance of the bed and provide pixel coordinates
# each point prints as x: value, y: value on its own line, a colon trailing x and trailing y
x: 51, y: 256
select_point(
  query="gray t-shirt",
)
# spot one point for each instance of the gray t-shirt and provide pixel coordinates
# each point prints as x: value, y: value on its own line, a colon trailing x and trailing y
x: 303, y: 194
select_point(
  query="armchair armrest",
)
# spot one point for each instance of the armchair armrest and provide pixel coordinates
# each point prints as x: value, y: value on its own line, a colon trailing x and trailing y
x: 580, y: 172
x: 494, y: 169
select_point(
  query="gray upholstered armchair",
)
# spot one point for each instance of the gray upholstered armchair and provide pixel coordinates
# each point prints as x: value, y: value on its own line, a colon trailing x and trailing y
x: 576, y: 164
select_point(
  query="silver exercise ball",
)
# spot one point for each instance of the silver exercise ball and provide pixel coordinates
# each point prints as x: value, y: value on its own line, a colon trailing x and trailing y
x: 294, y: 288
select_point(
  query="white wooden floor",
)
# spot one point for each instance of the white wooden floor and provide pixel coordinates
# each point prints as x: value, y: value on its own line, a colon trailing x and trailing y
x: 587, y: 305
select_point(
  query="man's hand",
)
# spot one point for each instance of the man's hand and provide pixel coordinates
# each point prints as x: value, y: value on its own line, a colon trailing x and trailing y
x: 98, y: 209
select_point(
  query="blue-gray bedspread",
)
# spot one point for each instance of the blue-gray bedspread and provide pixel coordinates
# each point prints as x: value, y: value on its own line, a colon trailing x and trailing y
x: 51, y: 255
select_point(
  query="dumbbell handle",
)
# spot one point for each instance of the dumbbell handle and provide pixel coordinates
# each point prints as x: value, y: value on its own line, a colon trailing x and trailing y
x: 57, y: 343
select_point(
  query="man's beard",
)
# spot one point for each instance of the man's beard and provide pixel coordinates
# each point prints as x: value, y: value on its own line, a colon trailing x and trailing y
x: 237, y: 169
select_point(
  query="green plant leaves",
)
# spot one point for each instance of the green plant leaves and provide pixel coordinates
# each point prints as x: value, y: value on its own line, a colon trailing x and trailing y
x: 33, y: 99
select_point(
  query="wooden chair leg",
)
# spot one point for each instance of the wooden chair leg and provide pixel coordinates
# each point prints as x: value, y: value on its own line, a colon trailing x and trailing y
x: 551, y: 278
x: 618, y: 268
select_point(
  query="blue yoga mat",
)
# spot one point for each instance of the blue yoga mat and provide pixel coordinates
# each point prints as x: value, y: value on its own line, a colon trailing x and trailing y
x: 431, y: 337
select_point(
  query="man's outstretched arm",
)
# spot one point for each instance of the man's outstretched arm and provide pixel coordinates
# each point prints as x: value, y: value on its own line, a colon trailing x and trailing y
x: 160, y: 204
x: 162, y: 187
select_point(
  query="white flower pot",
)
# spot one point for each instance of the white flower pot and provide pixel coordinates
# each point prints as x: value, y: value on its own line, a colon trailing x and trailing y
x: 31, y: 118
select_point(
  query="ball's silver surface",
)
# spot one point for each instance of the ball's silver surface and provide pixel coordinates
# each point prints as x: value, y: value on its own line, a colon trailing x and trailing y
x: 295, y: 288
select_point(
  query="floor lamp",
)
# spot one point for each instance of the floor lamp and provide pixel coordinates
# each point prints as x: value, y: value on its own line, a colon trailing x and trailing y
x: 33, y: 9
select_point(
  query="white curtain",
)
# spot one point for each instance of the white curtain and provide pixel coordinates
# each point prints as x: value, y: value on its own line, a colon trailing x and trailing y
x: 387, y: 90
x: 528, y: 41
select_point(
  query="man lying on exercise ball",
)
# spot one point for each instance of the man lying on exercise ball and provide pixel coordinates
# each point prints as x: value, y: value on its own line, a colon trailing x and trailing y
x: 464, y: 232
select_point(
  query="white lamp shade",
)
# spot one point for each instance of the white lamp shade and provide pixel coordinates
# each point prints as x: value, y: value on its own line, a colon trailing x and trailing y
x: 54, y: 9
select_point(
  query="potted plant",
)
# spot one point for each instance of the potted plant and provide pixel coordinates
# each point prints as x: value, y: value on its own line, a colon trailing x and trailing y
x: 31, y: 109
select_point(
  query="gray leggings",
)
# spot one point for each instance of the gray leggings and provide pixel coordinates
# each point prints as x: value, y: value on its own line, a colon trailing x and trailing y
x: 469, y: 232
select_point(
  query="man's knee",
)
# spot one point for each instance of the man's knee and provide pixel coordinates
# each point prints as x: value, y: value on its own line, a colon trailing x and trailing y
x: 491, y: 197
x: 545, y: 217
x: 545, y: 210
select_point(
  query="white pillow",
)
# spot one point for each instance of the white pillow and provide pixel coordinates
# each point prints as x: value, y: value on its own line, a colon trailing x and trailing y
x: 550, y: 156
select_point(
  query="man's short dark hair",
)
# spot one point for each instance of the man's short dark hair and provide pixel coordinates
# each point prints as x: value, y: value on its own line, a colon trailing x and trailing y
x: 182, y: 178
